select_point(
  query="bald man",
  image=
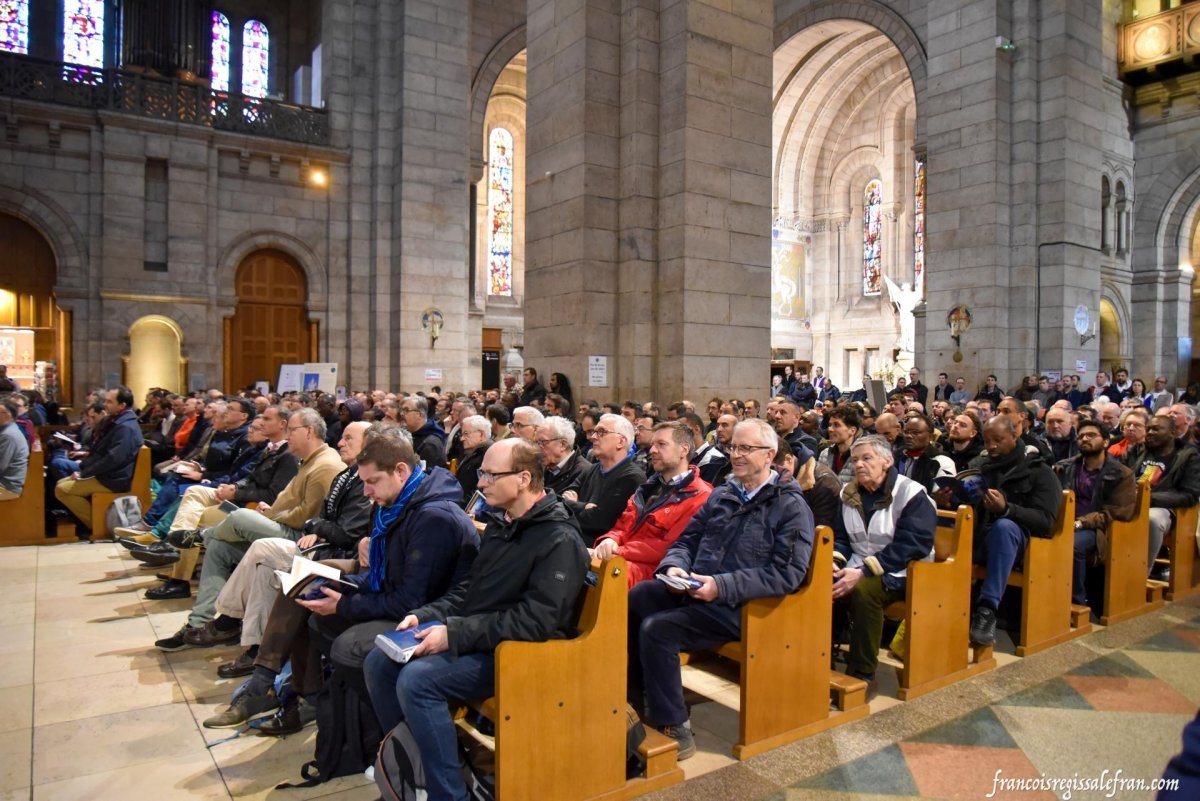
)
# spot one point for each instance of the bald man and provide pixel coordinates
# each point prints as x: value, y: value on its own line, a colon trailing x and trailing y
x: 887, y: 425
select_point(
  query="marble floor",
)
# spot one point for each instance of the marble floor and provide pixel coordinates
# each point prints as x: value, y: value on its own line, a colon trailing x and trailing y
x: 89, y: 709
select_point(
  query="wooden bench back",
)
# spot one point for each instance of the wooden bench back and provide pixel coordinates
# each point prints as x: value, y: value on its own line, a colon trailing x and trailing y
x: 1046, y: 583
x: 1182, y: 541
x: 947, y: 538
x: 25, y: 517
x: 1125, y: 565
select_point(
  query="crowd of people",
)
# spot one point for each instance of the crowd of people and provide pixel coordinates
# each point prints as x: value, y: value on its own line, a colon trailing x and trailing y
x: 478, y: 513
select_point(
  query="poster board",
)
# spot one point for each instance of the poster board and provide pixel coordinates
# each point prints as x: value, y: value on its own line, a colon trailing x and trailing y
x: 290, y: 378
x: 877, y: 394
x: 320, y: 375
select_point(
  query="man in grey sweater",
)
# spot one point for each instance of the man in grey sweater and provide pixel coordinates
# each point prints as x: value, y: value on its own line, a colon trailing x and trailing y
x: 14, y: 452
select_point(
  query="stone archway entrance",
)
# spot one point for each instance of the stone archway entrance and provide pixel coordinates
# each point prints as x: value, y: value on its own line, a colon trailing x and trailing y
x: 270, y: 326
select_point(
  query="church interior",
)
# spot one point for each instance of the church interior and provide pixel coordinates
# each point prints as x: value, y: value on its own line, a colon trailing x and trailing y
x: 771, y: 209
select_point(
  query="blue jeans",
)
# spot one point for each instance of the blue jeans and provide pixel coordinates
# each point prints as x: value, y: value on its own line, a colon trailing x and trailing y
x: 424, y: 690
x: 661, y: 625
x: 169, y: 492
x: 60, y: 466
x: 1000, y: 548
x: 1085, y: 546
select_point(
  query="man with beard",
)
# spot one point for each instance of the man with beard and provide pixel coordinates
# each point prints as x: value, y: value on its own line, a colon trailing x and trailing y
x: 1173, y: 470
x: 920, y: 459
x: 1059, y: 434
x: 1021, y: 501
x: 844, y: 428
x: 965, y: 440
x: 1104, y: 491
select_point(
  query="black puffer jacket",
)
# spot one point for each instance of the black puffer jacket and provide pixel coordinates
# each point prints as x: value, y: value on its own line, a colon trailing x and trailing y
x: 1028, y: 485
x: 345, y: 516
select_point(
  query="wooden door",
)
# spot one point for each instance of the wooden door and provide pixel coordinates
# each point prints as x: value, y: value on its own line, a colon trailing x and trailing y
x: 270, y: 325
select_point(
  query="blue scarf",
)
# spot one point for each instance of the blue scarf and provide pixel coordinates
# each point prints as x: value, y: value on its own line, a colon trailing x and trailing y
x: 385, y: 516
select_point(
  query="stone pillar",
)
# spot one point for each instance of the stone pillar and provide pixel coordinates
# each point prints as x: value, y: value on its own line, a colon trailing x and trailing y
x: 649, y: 195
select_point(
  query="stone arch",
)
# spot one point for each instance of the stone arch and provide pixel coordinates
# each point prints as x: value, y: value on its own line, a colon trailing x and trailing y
x: 242, y: 246
x: 852, y: 173
x: 793, y: 16
x: 170, y: 371
x: 504, y: 51
x: 1111, y: 295
x: 53, y: 223
x: 1168, y: 208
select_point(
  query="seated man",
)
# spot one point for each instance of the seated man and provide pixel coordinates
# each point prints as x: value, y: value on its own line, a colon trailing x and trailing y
x: 1021, y: 501
x: 524, y: 585
x: 752, y: 538
x: 561, y: 460
x: 475, y: 437
x: 844, y: 429
x: 821, y: 488
x: 1104, y: 491
x: 1173, y: 470
x: 886, y: 520
x: 597, y: 497
x: 919, y: 459
x: 14, y: 452
x: 228, y: 541
x: 661, y: 508
x: 525, y: 422
x: 713, y: 458
x: 109, y: 465
x: 429, y: 438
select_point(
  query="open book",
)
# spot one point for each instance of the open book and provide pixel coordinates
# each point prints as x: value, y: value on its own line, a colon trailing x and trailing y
x: 75, y: 446
x: 399, y: 645
x: 307, y: 577
x: 966, y: 487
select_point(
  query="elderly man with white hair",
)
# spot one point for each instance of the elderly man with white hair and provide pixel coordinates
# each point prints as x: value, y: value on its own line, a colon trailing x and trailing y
x: 560, y: 458
x: 598, y: 495
x: 475, y: 433
x: 525, y: 422
x: 886, y: 521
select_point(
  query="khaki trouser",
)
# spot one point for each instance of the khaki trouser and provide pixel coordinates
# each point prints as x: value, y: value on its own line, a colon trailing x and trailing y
x: 250, y: 591
x: 193, y: 504
x: 8, y: 495
x: 77, y: 496
x: 188, y: 557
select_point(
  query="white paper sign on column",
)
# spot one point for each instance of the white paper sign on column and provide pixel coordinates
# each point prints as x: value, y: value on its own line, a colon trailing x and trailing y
x: 597, y: 371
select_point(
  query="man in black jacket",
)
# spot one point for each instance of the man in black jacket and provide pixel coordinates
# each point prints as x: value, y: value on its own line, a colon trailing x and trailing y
x: 109, y: 465
x: 561, y: 460
x: 429, y: 439
x: 523, y: 586
x: 532, y: 393
x: 1173, y: 470
x: 965, y: 438
x: 598, y: 496
x: 1022, y: 500
x: 918, y: 458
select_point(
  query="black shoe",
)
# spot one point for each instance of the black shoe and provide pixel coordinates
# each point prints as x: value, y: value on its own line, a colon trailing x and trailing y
x: 983, y: 625
x: 129, y: 543
x: 242, y: 666
x: 170, y: 589
x: 159, y: 548
x: 158, y: 555
x: 175, y: 642
x: 185, y: 538
x: 242, y: 707
x: 682, y: 735
x: 289, y: 719
x: 1160, y: 573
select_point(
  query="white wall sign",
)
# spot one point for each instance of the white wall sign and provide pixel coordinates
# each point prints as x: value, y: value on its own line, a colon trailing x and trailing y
x: 290, y: 378
x: 320, y: 375
x: 1081, y: 365
x: 597, y: 371
x: 433, y: 374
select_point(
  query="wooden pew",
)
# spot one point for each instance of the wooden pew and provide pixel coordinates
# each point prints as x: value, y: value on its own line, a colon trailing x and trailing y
x: 784, y: 656
x: 937, y: 612
x: 140, y: 487
x: 26, y: 516
x: 1181, y: 539
x: 1047, y: 615
x: 559, y: 709
x: 1125, y: 591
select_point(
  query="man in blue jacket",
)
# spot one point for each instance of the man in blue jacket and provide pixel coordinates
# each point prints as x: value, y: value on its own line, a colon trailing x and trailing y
x: 109, y: 465
x: 753, y: 538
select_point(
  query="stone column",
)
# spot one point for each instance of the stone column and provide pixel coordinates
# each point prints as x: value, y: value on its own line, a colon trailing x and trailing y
x: 649, y: 195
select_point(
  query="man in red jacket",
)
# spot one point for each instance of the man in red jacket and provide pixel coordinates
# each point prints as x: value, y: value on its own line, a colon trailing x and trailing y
x: 661, y: 508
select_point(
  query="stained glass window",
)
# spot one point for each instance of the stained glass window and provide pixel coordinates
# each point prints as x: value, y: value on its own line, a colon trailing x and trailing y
x: 83, y: 32
x: 256, y: 57
x: 919, y: 223
x: 500, y: 201
x: 220, y: 52
x: 872, y: 239
x: 14, y: 26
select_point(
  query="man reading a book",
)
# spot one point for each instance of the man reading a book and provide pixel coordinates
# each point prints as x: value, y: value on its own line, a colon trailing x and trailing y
x: 752, y: 538
x: 523, y: 586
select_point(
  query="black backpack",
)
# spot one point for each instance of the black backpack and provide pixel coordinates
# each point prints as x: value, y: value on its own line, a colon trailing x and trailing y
x: 400, y: 776
x: 348, y: 733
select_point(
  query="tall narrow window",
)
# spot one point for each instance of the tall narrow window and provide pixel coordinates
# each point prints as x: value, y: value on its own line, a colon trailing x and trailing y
x: 83, y: 32
x: 872, y: 241
x: 919, y: 223
x: 500, y: 202
x: 256, y: 57
x: 14, y: 26
x: 220, y: 52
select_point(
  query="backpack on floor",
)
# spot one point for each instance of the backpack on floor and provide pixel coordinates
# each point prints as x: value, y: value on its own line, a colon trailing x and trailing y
x: 399, y: 774
x: 125, y: 511
x: 347, y: 733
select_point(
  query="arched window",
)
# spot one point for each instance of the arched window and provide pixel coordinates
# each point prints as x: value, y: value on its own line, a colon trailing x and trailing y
x: 1105, y: 210
x: 256, y: 59
x: 220, y: 52
x: 500, y: 203
x: 83, y: 32
x: 872, y: 241
x: 14, y: 26
x: 919, y: 222
x: 1122, y: 233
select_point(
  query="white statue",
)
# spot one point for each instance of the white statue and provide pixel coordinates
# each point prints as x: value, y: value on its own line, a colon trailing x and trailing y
x: 905, y: 299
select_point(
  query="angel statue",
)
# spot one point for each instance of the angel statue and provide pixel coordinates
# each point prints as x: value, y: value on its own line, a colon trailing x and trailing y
x: 905, y: 299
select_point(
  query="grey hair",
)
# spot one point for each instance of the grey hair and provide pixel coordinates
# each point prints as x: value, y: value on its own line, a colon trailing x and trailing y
x: 1189, y: 411
x: 880, y: 445
x: 476, y: 422
x: 559, y: 428
x: 620, y: 425
x: 419, y: 403
x: 766, y: 434
x: 311, y: 418
x: 535, y: 417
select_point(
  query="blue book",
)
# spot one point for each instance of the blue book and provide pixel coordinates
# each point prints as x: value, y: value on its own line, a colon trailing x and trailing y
x: 399, y: 645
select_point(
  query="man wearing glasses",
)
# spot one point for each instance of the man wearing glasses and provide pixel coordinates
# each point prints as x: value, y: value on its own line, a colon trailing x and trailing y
x: 597, y: 497
x: 522, y: 586
x: 429, y: 438
x: 752, y: 538
x: 560, y: 459
x: 525, y: 422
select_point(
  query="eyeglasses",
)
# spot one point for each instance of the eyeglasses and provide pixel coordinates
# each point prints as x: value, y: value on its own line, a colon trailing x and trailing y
x: 403, y: 410
x: 645, y: 428
x: 738, y: 450
x: 290, y: 429
x: 596, y: 433
x: 523, y: 425
x: 488, y: 478
x: 544, y: 442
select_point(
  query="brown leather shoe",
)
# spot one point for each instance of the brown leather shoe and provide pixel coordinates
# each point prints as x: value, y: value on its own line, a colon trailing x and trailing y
x: 209, y: 635
x: 242, y: 666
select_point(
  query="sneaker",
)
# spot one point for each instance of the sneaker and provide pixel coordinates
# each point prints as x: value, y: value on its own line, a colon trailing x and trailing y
x: 140, y: 527
x: 176, y: 642
x: 983, y: 625
x: 243, y: 707
x: 185, y: 538
x: 682, y: 735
